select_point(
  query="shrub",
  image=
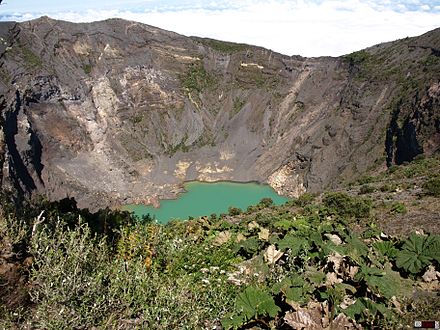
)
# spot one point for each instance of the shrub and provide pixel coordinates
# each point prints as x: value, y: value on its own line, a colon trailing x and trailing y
x: 303, y: 200
x: 393, y: 168
x: 196, y: 78
x: 366, y: 189
x: 388, y: 188
x: 365, y: 179
x: 266, y: 202
x: 398, y: 207
x: 233, y: 211
x: 252, y: 208
x: 345, y: 205
x: 432, y: 187
x: 87, y: 68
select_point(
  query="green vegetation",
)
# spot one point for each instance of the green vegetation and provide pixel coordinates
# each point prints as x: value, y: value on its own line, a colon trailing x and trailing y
x: 136, y: 119
x: 317, y: 257
x: 238, y: 105
x: 222, y: 46
x: 178, y: 147
x: 87, y: 68
x: 265, y: 267
x: 5, y: 76
x: 365, y: 64
x: 347, y: 206
x: 399, y: 208
x: 234, y: 211
x: 426, y: 170
x: 417, y: 252
x: 366, y: 189
x: 357, y: 58
x: 432, y: 187
x: 196, y: 79
x: 31, y: 60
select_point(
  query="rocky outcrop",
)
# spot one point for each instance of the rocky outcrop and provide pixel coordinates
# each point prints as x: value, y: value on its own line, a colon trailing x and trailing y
x: 119, y: 112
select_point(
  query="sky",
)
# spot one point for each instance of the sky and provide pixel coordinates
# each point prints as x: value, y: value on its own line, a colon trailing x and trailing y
x: 291, y: 27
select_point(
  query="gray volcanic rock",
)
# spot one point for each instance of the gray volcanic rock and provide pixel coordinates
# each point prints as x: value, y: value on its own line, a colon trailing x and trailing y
x: 118, y: 112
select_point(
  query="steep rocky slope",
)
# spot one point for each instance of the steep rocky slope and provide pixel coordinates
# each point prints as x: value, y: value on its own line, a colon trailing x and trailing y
x: 119, y: 112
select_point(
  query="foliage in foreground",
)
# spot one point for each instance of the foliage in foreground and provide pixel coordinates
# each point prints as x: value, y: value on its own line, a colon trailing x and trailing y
x: 277, y: 267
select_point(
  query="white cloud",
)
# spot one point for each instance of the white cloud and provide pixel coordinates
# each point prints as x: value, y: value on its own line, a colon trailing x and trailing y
x: 290, y: 27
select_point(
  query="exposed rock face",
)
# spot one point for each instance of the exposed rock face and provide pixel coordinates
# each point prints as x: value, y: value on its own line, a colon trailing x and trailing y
x: 120, y: 112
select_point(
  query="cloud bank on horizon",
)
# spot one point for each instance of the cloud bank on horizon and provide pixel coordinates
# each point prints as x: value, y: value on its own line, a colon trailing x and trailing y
x: 304, y: 27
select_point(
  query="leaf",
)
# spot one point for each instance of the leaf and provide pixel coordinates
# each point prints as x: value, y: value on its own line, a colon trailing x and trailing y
x: 417, y: 252
x: 284, y: 224
x: 222, y: 238
x: 233, y: 321
x: 294, y: 243
x: 249, y: 246
x: 432, y: 246
x: 343, y: 287
x: 363, y: 308
x: 385, y: 248
x: 316, y: 238
x: 315, y: 277
x: 331, y: 279
x: 288, y: 282
x: 303, y: 319
x: 430, y: 274
x: 252, y: 225
x: 294, y: 289
x: 240, y: 237
x: 411, y: 262
x: 272, y: 255
x: 264, y: 234
x: 368, y: 271
x: 295, y: 294
x: 356, y: 248
x: 281, y: 286
x: 254, y: 301
x: 342, y: 322
x: 335, y: 239
x: 335, y: 259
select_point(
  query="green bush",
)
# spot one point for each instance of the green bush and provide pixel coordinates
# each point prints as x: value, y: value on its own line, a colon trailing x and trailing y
x: 398, y: 207
x: 87, y: 68
x: 365, y: 179
x: 432, y: 187
x: 233, y: 211
x: 388, y: 188
x: 196, y: 79
x: 266, y: 202
x: 345, y: 205
x: 366, y: 189
x: 303, y: 200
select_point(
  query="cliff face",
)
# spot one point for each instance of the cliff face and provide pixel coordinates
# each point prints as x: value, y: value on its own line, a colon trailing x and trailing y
x: 120, y: 112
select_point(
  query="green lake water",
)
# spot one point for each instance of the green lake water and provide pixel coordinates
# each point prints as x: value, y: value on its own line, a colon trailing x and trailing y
x: 206, y: 198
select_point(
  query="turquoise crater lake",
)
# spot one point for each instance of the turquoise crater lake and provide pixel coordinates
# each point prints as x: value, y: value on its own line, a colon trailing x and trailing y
x: 203, y: 198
